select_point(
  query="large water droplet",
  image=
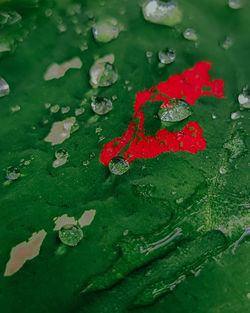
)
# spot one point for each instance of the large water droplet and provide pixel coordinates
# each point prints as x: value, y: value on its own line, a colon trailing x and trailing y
x: 159, y: 12
x: 70, y: 235
x: 12, y: 173
x: 167, y: 56
x: 190, y: 34
x: 101, y: 105
x: 106, y: 30
x: 4, y: 88
x: 103, y: 72
x: 235, y: 4
x: 118, y: 165
x: 179, y: 111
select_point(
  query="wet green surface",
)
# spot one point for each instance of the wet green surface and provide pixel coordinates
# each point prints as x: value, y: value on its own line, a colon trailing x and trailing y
x: 162, y: 221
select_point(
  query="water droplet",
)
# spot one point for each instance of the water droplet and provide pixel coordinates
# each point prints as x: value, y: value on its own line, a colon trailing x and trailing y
x: 61, y: 154
x: 103, y: 72
x: 70, y: 235
x: 227, y: 43
x: 106, y: 30
x: 118, y: 165
x: 235, y: 4
x: 159, y: 12
x: 79, y: 111
x: 4, y: 88
x: 223, y: 170
x: 179, y: 111
x: 12, y: 173
x: 65, y: 110
x: 62, y: 27
x: 190, y: 34
x: 167, y: 56
x: 55, y: 108
x: 213, y: 116
x: 101, y: 105
x: 244, y: 98
x: 235, y: 115
x: 16, y: 108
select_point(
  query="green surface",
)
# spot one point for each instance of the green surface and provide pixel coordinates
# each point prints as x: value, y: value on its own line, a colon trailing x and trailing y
x: 179, y: 195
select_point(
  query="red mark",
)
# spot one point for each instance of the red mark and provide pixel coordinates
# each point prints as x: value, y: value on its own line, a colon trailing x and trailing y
x: 135, y: 143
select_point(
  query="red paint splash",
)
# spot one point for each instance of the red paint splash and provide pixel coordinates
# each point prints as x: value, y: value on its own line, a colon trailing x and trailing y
x: 135, y: 143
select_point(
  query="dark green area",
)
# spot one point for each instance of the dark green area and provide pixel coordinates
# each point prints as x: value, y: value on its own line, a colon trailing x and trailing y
x: 179, y: 199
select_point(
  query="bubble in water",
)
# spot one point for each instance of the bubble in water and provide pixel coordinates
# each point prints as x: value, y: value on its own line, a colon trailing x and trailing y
x: 235, y: 115
x: 101, y: 105
x: 244, y: 98
x: 12, y: 173
x: 4, y: 88
x: 79, y: 111
x: 179, y: 111
x: 159, y: 12
x: 70, y: 235
x: 103, y: 72
x: 214, y: 117
x: 9, y: 18
x: 106, y: 30
x: 190, y: 34
x: 167, y: 56
x: 118, y: 165
x: 235, y: 4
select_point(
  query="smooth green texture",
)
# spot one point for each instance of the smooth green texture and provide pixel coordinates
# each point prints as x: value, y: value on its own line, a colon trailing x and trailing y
x: 156, y: 198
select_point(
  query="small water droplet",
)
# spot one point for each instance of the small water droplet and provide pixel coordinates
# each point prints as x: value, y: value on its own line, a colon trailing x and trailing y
x: 79, y: 111
x: 55, y: 108
x: 223, y: 170
x: 101, y: 105
x: 106, y: 30
x: 70, y: 235
x: 12, y: 173
x: 61, y: 154
x: 244, y: 98
x: 213, y: 116
x: 227, y: 43
x: 103, y: 72
x: 65, y: 110
x: 235, y: 115
x: 118, y: 165
x: 167, y: 56
x: 163, y: 13
x: 190, y: 34
x: 235, y: 4
x: 4, y: 87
